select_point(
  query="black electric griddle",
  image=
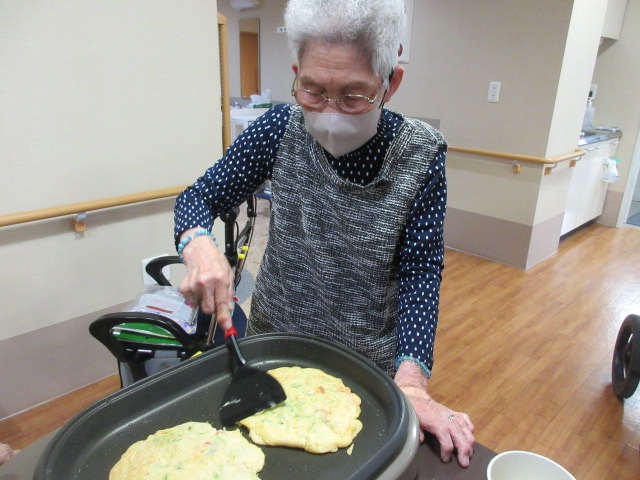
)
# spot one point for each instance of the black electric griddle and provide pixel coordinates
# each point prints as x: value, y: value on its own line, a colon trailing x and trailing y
x: 92, y: 442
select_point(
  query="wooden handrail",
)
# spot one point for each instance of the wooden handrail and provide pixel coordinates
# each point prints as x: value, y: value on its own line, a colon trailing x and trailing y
x: 225, y: 103
x: 523, y: 158
x: 550, y: 163
x: 74, y: 208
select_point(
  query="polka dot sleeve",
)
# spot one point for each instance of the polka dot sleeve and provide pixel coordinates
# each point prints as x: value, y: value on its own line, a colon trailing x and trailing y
x: 421, y: 264
x: 247, y: 164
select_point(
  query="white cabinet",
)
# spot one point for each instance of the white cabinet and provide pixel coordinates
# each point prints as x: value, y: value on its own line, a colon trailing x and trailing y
x: 587, y: 191
x: 242, y: 118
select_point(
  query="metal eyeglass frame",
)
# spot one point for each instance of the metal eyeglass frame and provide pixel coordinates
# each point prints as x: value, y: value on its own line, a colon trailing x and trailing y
x: 338, y: 101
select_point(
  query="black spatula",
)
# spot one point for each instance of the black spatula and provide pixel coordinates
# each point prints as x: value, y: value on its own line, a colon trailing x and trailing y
x: 250, y: 391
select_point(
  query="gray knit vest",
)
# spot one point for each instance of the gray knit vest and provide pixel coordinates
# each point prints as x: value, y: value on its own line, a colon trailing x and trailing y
x: 331, y: 262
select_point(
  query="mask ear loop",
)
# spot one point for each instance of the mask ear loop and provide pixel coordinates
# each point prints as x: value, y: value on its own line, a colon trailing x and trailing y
x: 387, y: 89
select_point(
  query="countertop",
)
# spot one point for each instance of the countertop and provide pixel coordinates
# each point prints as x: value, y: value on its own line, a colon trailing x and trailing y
x: 598, y: 134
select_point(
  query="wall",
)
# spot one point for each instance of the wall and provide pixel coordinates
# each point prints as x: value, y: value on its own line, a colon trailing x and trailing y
x: 85, y: 95
x: 577, y: 68
x: 545, y: 74
x: 461, y: 46
x: 91, y: 94
x: 617, y: 103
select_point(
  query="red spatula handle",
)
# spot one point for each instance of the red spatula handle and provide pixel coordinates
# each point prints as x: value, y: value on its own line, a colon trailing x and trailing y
x: 232, y: 342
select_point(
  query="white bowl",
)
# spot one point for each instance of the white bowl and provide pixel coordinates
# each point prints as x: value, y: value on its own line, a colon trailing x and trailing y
x: 518, y: 465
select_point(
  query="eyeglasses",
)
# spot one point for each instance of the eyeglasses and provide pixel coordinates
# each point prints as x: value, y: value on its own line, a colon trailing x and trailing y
x: 348, y: 103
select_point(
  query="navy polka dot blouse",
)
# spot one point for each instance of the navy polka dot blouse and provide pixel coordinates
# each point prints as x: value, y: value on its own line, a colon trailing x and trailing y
x: 248, y: 163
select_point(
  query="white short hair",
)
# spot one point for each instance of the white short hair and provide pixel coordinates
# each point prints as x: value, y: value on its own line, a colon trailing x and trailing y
x: 374, y: 26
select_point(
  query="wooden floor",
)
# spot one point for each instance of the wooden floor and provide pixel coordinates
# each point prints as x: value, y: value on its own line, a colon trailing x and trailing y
x: 526, y: 353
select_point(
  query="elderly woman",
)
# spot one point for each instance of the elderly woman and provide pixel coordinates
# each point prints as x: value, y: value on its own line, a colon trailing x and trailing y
x: 355, y: 249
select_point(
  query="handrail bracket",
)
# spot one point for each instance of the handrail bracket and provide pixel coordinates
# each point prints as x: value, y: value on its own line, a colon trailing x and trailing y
x: 80, y: 222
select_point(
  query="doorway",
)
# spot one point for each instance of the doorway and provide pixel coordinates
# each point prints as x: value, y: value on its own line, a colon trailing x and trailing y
x: 631, y: 197
x: 634, y: 210
x: 249, y: 57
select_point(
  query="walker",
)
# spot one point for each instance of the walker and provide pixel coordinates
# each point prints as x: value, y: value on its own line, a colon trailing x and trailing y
x: 145, y: 343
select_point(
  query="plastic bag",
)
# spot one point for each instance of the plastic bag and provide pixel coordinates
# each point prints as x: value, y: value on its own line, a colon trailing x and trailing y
x: 610, y: 171
x: 168, y: 302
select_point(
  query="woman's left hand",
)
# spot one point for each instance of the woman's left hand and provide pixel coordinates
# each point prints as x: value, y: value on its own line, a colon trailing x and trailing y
x: 6, y: 452
x: 454, y: 430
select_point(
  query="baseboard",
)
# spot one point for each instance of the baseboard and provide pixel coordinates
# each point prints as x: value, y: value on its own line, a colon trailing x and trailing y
x: 611, y: 209
x: 510, y: 243
x: 44, y: 364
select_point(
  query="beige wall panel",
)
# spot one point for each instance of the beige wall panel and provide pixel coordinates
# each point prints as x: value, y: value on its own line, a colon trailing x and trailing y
x: 57, y: 274
x: 575, y: 76
x: 62, y: 274
x: 98, y: 99
x: 552, y: 197
x: 457, y: 48
x: 489, y: 187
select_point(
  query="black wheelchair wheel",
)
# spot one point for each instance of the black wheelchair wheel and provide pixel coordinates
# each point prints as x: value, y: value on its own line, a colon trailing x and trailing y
x: 625, y: 369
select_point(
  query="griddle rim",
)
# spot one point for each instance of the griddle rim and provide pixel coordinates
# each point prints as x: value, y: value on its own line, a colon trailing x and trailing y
x: 340, y: 358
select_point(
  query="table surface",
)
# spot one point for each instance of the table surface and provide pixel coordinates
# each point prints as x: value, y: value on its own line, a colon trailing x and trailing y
x: 432, y: 468
x: 244, y: 113
x: 21, y: 466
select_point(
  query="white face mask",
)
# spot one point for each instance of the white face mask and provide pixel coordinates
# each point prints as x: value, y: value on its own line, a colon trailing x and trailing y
x: 339, y: 133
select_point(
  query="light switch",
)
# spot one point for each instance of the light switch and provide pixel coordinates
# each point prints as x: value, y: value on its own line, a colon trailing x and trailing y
x: 494, y: 92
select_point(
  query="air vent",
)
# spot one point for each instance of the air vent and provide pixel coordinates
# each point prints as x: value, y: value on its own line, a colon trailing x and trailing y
x: 244, y: 4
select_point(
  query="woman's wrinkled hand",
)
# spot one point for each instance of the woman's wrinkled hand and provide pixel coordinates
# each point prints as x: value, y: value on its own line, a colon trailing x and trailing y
x: 453, y: 430
x: 209, y: 279
x: 6, y: 452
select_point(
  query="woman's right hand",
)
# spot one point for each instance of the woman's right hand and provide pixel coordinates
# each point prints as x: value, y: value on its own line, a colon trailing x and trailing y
x: 209, y: 279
